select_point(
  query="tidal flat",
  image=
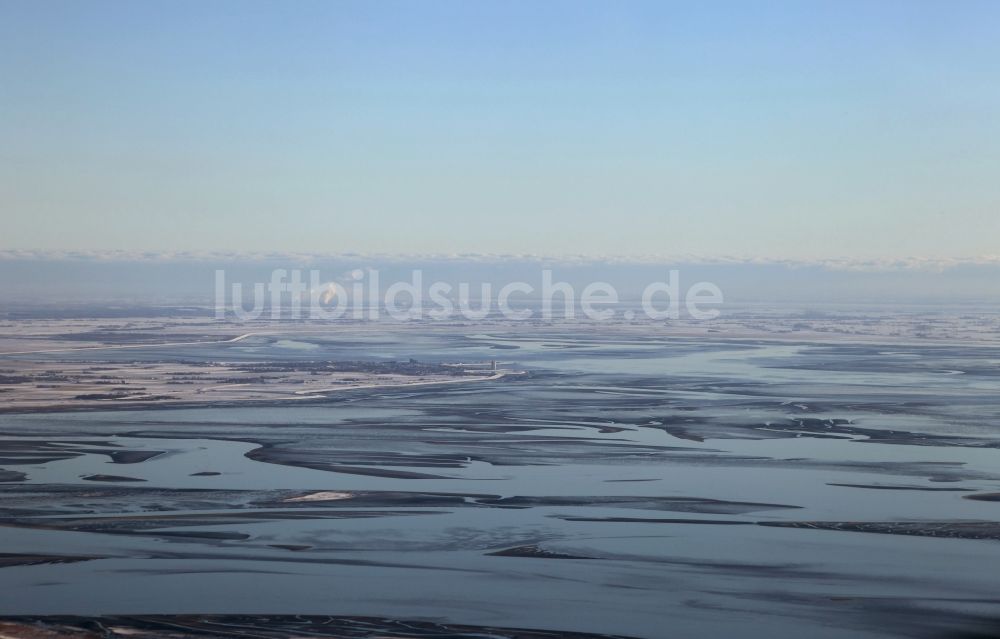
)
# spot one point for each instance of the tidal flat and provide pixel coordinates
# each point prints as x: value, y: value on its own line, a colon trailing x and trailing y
x: 621, y: 481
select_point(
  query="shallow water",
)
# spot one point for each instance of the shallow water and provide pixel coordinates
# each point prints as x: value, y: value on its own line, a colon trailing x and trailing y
x: 631, y: 485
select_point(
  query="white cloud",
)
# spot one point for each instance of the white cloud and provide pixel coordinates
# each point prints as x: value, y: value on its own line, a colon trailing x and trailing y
x: 297, y: 258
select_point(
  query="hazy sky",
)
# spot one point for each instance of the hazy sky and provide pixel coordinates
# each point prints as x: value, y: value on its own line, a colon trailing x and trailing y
x: 788, y: 129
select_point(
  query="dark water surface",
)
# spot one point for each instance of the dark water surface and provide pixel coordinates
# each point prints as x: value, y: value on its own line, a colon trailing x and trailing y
x: 622, y: 485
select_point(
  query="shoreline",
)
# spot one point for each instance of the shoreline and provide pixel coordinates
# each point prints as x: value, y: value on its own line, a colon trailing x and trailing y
x: 303, y: 396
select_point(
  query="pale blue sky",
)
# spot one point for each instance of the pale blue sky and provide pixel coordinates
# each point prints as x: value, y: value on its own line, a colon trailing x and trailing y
x: 779, y: 129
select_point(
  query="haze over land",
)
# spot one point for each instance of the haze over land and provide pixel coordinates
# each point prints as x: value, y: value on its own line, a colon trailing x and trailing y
x: 76, y: 277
